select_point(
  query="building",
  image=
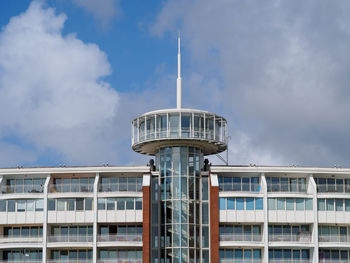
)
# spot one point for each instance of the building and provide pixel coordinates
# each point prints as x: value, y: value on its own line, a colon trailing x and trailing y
x: 177, y: 209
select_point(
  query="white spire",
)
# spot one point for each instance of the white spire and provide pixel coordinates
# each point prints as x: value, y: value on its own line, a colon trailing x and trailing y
x: 179, y: 89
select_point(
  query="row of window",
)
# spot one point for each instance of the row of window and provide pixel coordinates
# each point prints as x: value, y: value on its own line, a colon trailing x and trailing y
x: 294, y: 255
x: 334, y: 255
x: 332, y: 185
x: 115, y: 184
x: 120, y: 253
x: 72, y: 254
x: 239, y: 229
x: 298, y: 204
x: 285, y: 184
x: 120, y: 230
x: 24, y: 231
x: 240, y: 184
x: 22, y: 255
x: 240, y: 203
x: 24, y: 185
x: 70, y: 204
x: 119, y: 203
x: 334, y: 230
x: 239, y: 255
x: 72, y: 230
x: 21, y: 205
x: 331, y: 204
x: 68, y: 185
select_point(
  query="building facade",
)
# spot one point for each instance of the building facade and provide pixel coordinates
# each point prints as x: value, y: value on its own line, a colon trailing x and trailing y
x: 178, y: 208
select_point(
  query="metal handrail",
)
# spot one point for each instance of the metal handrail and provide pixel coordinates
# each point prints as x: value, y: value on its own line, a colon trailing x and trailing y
x: 300, y: 237
x: 71, y: 188
x: 120, y: 260
x: 333, y: 238
x: 277, y: 187
x: 241, y: 237
x: 240, y: 187
x: 120, y: 238
x: 26, y: 239
x: 21, y: 189
x: 70, y: 238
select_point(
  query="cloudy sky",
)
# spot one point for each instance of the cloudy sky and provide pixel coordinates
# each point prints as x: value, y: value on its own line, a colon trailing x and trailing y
x: 73, y: 74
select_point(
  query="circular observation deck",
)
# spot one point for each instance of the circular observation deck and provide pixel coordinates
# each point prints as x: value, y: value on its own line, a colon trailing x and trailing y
x: 179, y: 127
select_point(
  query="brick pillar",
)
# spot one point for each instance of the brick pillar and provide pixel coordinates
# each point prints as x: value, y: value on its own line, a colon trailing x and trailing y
x: 214, y: 219
x: 146, y: 225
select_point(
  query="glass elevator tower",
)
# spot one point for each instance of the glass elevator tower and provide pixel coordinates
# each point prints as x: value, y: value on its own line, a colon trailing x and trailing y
x: 179, y: 139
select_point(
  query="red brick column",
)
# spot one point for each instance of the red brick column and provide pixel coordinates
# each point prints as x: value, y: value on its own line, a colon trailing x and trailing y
x: 214, y: 222
x: 146, y: 226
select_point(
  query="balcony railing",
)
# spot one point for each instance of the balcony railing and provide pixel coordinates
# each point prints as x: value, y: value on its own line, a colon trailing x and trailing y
x: 241, y: 237
x: 290, y: 260
x: 286, y: 187
x: 120, y: 260
x: 21, y: 261
x: 304, y: 237
x: 240, y: 187
x: 70, y: 238
x: 333, y: 261
x: 117, y: 187
x: 69, y: 261
x: 333, y: 238
x: 232, y: 260
x: 21, y: 189
x: 22, y: 239
x: 120, y: 238
x: 333, y: 188
x: 70, y: 188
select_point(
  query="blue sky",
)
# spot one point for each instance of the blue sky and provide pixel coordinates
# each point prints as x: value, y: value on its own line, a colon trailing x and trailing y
x: 73, y: 74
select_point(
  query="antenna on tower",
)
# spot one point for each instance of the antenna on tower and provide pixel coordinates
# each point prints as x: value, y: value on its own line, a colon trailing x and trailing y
x: 178, y: 84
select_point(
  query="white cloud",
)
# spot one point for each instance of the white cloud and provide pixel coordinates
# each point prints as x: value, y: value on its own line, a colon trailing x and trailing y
x: 103, y: 10
x: 52, y: 95
x: 282, y: 70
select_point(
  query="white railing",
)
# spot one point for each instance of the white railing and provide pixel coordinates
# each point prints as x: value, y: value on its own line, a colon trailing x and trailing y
x: 290, y: 261
x: 286, y: 187
x: 25, y: 239
x: 232, y: 260
x: 240, y: 187
x: 302, y: 237
x: 120, y: 260
x: 119, y: 237
x: 21, y: 261
x: 70, y: 188
x: 115, y: 187
x: 69, y: 261
x: 333, y: 238
x: 333, y: 261
x: 70, y: 238
x: 21, y: 189
x: 241, y: 237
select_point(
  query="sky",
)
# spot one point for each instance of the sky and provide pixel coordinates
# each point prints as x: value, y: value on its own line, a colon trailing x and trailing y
x: 74, y: 73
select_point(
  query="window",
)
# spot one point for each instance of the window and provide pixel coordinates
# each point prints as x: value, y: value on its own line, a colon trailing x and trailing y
x: 39, y: 205
x: 321, y: 204
x: 330, y: 204
x: 21, y: 205
x: 249, y: 203
x: 299, y: 204
x: 272, y: 203
x: 222, y: 203
x: 120, y: 204
x: 61, y: 204
x: 2, y: 205
x: 281, y: 203
x: 110, y: 203
x: 138, y: 203
x: 30, y: 205
x: 101, y: 204
x: 259, y: 204
x: 240, y: 203
x: 290, y: 204
x: 80, y: 204
x: 230, y: 203
x: 308, y: 204
x: 130, y: 203
x: 88, y: 203
x: 71, y: 204
x: 51, y: 204
x: 339, y: 204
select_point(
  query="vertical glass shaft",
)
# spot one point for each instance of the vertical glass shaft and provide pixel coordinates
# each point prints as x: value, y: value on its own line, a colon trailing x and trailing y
x: 180, y: 220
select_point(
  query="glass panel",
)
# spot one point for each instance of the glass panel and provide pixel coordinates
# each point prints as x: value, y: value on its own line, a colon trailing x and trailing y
x: 222, y: 203
x: 51, y: 204
x: 61, y: 204
x: 71, y: 204
x: 249, y: 203
x: 21, y: 205
x: 230, y: 203
x: 308, y: 204
x: 2, y: 205
x: 259, y: 204
x: 281, y: 203
x: 299, y: 204
x: 290, y: 203
x: 88, y: 203
x: 39, y: 205
x: 30, y: 205
x: 80, y: 204
x: 110, y: 203
x: 240, y: 203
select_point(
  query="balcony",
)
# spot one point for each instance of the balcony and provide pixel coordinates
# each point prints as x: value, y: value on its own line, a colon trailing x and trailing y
x: 333, y: 238
x: 21, y: 261
x: 69, y: 261
x: 70, y: 238
x: 232, y: 260
x: 240, y: 187
x: 22, y: 189
x: 302, y: 237
x: 20, y: 239
x: 290, y: 261
x: 241, y: 237
x: 120, y: 260
x: 286, y: 187
x: 120, y: 238
x: 71, y: 188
